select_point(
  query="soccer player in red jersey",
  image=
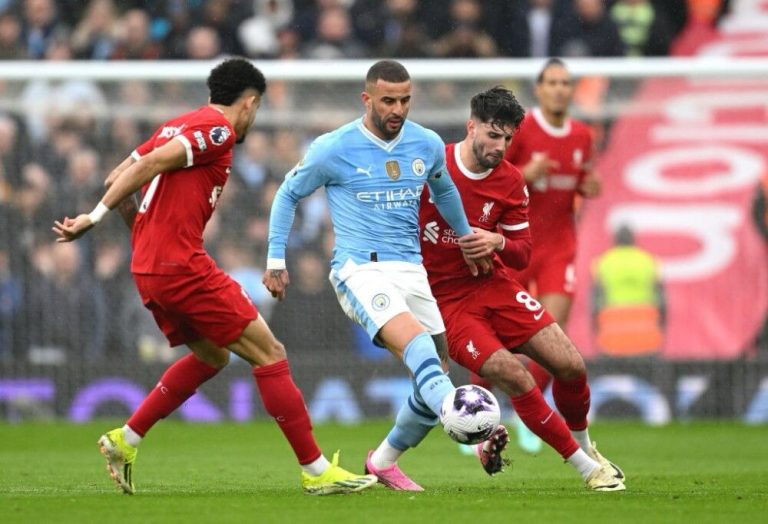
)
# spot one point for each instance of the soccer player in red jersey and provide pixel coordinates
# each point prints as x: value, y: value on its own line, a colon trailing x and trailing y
x: 554, y: 153
x: 181, y: 171
x: 490, y: 317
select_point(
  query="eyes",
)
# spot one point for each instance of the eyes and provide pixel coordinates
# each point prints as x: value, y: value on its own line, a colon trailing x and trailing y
x: 392, y: 101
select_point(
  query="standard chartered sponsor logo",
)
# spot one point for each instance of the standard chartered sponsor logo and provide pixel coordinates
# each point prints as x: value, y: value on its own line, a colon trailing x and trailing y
x: 431, y: 232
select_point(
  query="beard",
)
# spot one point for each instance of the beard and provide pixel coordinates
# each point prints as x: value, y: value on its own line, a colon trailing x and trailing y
x: 381, y: 125
x: 482, y: 159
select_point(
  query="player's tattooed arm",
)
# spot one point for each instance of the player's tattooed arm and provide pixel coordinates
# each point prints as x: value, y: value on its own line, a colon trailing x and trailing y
x: 276, y: 281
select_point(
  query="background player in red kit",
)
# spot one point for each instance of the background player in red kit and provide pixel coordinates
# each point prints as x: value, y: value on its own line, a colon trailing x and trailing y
x: 554, y: 153
x: 488, y: 317
x: 182, y: 170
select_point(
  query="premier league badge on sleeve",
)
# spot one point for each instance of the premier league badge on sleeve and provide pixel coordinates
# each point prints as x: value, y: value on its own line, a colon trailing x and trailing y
x: 218, y: 135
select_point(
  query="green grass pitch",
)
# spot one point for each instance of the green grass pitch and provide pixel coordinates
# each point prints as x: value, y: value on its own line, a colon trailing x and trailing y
x: 693, y: 473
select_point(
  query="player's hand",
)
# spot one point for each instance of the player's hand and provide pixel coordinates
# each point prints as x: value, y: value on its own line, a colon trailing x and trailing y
x: 481, y: 243
x: 539, y: 167
x: 478, y: 265
x: 590, y: 187
x: 71, y: 229
x: 276, y: 281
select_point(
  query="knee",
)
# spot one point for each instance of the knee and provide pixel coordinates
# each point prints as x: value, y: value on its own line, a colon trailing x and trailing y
x: 508, y: 374
x: 574, y: 369
x: 216, y: 359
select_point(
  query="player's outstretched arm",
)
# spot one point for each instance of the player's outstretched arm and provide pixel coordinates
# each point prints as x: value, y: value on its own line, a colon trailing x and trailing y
x: 129, y: 206
x: 168, y: 157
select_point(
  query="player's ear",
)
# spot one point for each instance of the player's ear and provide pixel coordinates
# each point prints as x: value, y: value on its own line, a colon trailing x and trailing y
x: 470, y: 127
x: 366, y: 98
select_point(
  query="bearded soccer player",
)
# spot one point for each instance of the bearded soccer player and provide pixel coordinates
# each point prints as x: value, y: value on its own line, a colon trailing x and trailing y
x: 182, y: 170
x: 490, y: 317
x: 554, y: 153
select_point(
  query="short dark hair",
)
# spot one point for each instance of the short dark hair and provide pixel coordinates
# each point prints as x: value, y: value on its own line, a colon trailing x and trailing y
x: 497, y: 106
x: 387, y: 70
x: 549, y: 63
x: 231, y: 78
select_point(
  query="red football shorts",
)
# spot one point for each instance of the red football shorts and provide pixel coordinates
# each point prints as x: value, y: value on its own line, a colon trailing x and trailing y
x: 188, y: 308
x: 549, y: 272
x: 498, y: 314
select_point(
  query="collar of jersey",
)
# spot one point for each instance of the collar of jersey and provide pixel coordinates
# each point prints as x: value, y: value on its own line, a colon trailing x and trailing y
x: 386, y: 146
x: 464, y: 170
x: 557, y: 132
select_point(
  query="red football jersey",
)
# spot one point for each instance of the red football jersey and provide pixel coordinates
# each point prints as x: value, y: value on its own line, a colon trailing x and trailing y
x: 552, y: 197
x: 495, y: 199
x: 168, y: 231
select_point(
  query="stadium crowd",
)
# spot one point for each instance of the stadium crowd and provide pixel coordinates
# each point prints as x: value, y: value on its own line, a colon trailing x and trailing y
x: 57, y: 139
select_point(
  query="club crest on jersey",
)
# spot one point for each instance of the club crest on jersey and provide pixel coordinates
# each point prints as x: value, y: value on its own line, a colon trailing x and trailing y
x: 486, y: 211
x: 393, y: 169
x: 472, y: 350
x: 218, y: 135
x: 578, y: 157
x: 418, y: 167
x: 380, y: 302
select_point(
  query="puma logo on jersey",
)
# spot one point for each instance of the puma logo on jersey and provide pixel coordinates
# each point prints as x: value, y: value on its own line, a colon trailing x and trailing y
x: 366, y: 172
x: 473, y: 350
x: 486, y: 211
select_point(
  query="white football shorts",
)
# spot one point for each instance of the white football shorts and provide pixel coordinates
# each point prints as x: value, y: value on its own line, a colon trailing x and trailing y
x: 371, y: 294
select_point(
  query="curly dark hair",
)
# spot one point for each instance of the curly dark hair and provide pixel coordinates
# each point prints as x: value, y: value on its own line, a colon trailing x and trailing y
x: 387, y: 70
x: 497, y: 106
x: 231, y: 78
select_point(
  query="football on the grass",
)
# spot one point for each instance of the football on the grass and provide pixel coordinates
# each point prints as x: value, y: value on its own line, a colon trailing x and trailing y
x: 470, y: 415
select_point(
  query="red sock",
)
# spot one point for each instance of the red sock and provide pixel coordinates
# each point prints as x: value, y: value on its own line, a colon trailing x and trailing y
x: 283, y: 400
x: 477, y: 380
x: 572, y: 400
x: 540, y: 418
x: 178, y: 383
x: 540, y: 375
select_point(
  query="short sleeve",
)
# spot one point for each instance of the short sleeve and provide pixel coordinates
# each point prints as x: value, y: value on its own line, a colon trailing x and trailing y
x: 206, y: 142
x: 145, y: 148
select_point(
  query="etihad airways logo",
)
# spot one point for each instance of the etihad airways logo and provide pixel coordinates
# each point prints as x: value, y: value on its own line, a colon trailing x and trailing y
x: 392, y: 198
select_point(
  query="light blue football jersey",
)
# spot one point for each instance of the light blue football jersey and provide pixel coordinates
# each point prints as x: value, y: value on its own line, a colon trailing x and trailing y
x: 373, y: 188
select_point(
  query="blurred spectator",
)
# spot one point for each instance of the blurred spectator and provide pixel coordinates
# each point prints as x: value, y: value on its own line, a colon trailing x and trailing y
x: 394, y: 28
x: 644, y: 30
x: 65, y: 309
x: 10, y: 304
x: 312, y: 308
x: 591, y: 32
x: 628, y: 299
x: 224, y: 16
x: 133, y: 38
x: 40, y: 26
x: 13, y: 155
x: 466, y: 37
x: 203, y: 43
x: 251, y: 163
x: 95, y: 35
x: 82, y: 183
x: 334, y: 38
x: 538, y: 27
x: 258, y: 34
x: 10, y: 37
x: 240, y: 263
x: 111, y: 271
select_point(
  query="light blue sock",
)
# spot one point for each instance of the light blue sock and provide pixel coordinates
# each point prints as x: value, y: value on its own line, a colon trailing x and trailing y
x: 413, y: 423
x: 420, y: 356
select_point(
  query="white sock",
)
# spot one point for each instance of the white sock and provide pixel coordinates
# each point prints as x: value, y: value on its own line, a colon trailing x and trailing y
x: 583, y: 463
x: 385, y: 455
x: 317, y: 467
x: 131, y: 437
x: 582, y: 437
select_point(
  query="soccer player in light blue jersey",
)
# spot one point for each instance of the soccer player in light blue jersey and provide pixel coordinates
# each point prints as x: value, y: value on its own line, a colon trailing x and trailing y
x: 373, y: 171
